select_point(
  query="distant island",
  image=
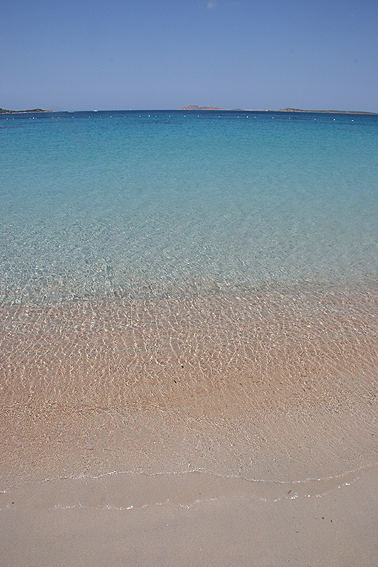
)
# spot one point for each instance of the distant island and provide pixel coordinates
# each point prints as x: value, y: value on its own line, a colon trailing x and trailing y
x: 6, y: 111
x: 196, y: 107
x: 325, y: 111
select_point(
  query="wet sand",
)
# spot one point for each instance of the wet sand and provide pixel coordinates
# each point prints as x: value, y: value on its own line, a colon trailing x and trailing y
x: 189, y: 520
x: 216, y: 415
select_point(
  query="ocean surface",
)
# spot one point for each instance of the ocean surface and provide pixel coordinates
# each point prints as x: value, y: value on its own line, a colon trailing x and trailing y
x: 162, y: 202
x: 185, y: 289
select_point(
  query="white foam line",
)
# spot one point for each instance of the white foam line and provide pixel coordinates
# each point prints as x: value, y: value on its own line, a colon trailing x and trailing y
x: 83, y: 476
x: 189, y: 506
x: 131, y: 506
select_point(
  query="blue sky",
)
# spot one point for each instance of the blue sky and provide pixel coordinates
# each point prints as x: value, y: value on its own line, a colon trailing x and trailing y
x: 165, y: 53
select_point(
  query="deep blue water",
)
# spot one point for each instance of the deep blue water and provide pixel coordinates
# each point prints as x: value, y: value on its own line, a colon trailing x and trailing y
x: 152, y: 203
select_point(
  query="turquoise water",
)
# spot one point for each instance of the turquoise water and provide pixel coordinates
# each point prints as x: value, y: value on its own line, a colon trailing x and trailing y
x: 160, y: 203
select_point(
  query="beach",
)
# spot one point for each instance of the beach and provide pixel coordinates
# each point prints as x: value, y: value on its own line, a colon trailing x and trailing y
x: 232, y: 524
x: 223, y: 449
x: 189, y: 355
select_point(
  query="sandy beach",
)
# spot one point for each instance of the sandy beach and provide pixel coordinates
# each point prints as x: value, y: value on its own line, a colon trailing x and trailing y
x: 188, y: 520
x: 222, y: 430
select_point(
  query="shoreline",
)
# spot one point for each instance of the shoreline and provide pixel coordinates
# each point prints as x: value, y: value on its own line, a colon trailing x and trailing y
x: 169, y: 433
x: 192, y: 519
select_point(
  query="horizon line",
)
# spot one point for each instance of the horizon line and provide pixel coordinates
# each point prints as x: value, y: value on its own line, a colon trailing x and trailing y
x: 191, y: 108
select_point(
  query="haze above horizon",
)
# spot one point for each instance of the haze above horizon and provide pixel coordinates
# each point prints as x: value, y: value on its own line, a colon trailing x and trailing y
x: 226, y: 53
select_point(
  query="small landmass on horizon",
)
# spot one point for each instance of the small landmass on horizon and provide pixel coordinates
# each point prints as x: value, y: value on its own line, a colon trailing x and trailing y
x: 325, y: 111
x: 6, y: 111
x: 196, y: 107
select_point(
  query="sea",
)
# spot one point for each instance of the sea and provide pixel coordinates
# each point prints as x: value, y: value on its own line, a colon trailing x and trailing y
x: 153, y: 203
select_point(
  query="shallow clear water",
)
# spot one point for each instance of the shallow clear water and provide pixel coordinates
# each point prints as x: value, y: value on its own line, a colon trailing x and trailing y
x: 188, y: 291
x: 156, y: 203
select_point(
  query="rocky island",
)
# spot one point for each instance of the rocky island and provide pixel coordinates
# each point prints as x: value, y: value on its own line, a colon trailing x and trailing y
x: 6, y: 111
x: 325, y: 111
x: 196, y: 107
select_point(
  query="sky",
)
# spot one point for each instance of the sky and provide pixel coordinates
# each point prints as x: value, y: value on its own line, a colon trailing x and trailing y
x: 135, y: 54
